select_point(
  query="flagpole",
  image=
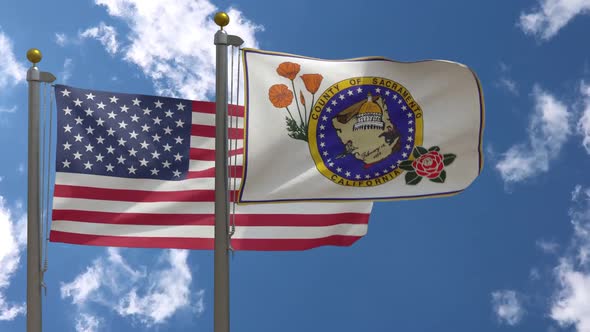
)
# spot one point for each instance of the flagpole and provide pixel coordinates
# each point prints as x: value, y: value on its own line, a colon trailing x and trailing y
x: 221, y: 258
x: 34, y: 278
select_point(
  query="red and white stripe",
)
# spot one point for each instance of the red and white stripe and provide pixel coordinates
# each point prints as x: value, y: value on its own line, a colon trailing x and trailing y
x: 111, y: 211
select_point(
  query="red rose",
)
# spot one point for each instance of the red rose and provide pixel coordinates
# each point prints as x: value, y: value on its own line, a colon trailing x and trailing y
x: 429, y: 165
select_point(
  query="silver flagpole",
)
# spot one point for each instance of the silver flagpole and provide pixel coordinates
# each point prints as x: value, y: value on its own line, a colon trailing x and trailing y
x: 221, y: 257
x: 35, y: 78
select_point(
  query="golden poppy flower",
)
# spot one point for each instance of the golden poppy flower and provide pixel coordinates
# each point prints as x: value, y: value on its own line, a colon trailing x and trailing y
x: 288, y: 70
x: 312, y: 82
x: 302, y: 98
x: 280, y: 95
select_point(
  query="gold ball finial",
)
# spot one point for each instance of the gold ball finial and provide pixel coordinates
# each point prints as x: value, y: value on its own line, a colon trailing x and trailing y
x: 34, y: 55
x: 221, y: 19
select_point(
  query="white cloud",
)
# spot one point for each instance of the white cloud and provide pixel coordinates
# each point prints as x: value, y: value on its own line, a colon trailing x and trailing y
x: 507, y: 306
x: 105, y: 34
x: 571, y: 305
x: 548, y: 247
x: 584, y: 122
x: 12, y: 241
x: 61, y: 39
x: 8, y: 110
x: 11, y: 71
x: 551, y: 15
x: 148, y: 297
x: 509, y: 85
x: 21, y: 168
x: 548, y: 130
x: 87, y: 323
x: 66, y: 74
x: 179, y: 60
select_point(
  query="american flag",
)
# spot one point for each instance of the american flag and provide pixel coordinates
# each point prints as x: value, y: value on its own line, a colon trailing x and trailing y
x: 138, y: 171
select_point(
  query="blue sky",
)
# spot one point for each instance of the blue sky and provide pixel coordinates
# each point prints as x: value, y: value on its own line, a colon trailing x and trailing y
x: 512, y: 253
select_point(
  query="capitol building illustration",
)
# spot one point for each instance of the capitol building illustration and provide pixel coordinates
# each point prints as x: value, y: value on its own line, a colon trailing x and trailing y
x: 370, y: 116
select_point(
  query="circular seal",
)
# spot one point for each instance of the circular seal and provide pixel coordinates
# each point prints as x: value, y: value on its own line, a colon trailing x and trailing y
x: 362, y: 128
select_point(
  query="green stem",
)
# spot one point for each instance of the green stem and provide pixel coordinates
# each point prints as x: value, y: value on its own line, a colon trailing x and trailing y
x: 291, y: 115
x: 310, y: 107
x: 297, y: 102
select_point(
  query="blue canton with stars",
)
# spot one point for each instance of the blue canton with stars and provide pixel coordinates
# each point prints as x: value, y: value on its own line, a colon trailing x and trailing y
x: 331, y: 147
x: 122, y: 135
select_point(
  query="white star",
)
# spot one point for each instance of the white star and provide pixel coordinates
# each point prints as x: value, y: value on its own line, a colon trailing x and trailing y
x: 157, y: 120
x: 378, y: 90
x: 90, y: 131
x: 110, y: 132
x: 67, y: 111
x: 79, y: 120
x: 77, y: 155
x: 359, y: 90
x: 147, y: 111
x: 99, y: 122
x: 89, y: 147
x: 122, y: 125
x: 322, y: 135
x: 132, y: 169
x: 145, y: 127
x: 325, y: 153
x: 387, y: 92
x: 169, y: 113
x: 114, y: 99
x: 111, y: 149
x: 99, y: 157
x: 134, y: 118
x: 341, y: 97
x: 329, y: 110
x: 156, y: 137
x: 404, y: 108
x: 331, y: 164
x: 124, y: 108
x: 90, y: 96
x: 155, y: 155
x: 144, y: 145
x: 334, y: 102
x: 101, y: 105
x: 176, y: 173
x: 78, y: 138
x: 87, y: 165
x: 78, y: 102
x: 122, y: 141
x: 409, y: 115
x: 167, y: 130
x: 410, y: 139
x: 121, y: 159
x: 325, y: 118
x: 136, y: 102
x: 67, y: 145
x: 180, y: 106
x: 112, y: 115
x: 377, y: 173
x: 155, y: 171
x: 394, y: 96
x: 339, y: 169
x: 410, y: 122
x: 367, y: 176
x: 347, y: 173
x: 322, y: 144
x: 357, y: 176
x: 66, y: 163
x: 143, y: 162
x: 166, y: 164
x: 408, y: 146
x: 179, y: 123
x: 133, y: 134
x: 394, y: 166
x: 65, y: 93
x: 167, y: 147
x: 350, y: 92
x: 411, y: 130
x: 177, y: 157
x: 405, y: 155
x: 179, y: 140
x: 109, y: 167
x: 322, y: 127
x: 132, y: 152
x: 158, y: 104
x: 88, y: 112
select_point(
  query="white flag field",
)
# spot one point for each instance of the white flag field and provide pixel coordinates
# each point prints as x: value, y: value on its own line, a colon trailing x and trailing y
x: 358, y: 129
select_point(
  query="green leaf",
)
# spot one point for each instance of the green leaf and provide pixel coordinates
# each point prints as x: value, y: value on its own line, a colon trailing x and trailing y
x: 434, y: 148
x: 295, y: 130
x: 441, y: 178
x: 448, y: 158
x: 412, y: 178
x: 418, y: 151
x: 406, y: 165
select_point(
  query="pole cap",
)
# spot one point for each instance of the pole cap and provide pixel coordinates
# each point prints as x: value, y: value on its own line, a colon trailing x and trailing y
x: 34, y: 55
x: 221, y: 19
